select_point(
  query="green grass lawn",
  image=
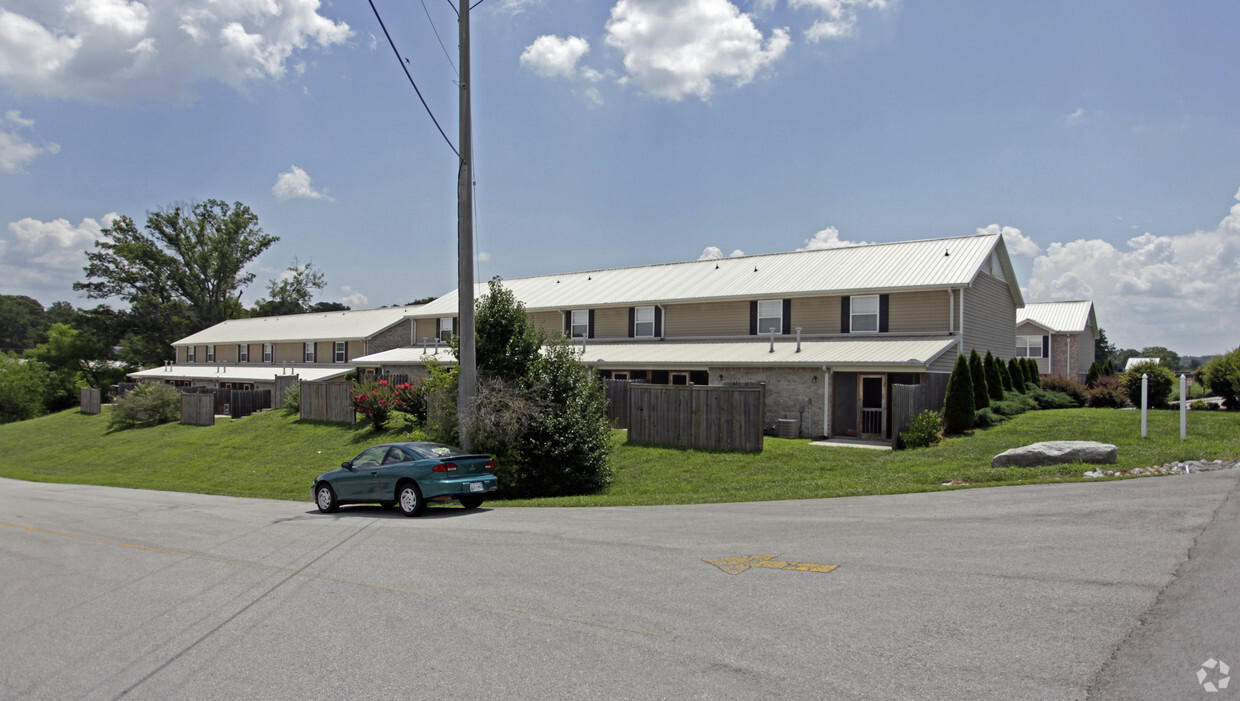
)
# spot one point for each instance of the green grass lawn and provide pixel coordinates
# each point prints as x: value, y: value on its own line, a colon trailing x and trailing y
x: 274, y: 455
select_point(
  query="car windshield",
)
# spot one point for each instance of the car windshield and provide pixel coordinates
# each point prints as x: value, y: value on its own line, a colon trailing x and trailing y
x: 434, y: 450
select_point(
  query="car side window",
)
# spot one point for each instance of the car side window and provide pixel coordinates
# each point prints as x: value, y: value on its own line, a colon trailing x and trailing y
x: 371, y: 457
x: 395, y: 455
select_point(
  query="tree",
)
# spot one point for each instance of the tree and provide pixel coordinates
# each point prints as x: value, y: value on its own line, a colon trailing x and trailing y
x: 1169, y: 358
x: 1091, y: 378
x: 1017, y: 370
x: 958, y: 409
x: 1004, y: 377
x: 21, y: 323
x: 1103, y: 350
x: 506, y: 343
x: 977, y: 373
x: 1221, y: 375
x: 24, y: 388
x: 291, y: 293
x: 1032, y: 372
x: 62, y: 355
x: 181, y: 273
x: 1160, y: 381
x: 319, y: 307
x: 994, y: 382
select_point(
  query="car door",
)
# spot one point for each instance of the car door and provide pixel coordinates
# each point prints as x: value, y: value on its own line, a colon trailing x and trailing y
x: 395, y: 466
x: 360, y: 483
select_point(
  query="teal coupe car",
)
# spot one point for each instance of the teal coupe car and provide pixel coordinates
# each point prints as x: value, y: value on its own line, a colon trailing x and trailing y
x: 408, y: 475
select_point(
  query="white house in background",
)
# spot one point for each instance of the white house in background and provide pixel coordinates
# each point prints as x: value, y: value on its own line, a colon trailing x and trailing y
x: 249, y: 353
x: 1133, y: 362
x: 1059, y: 335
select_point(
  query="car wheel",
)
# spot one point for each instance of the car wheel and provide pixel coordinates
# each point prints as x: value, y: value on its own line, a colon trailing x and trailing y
x: 325, y: 498
x: 471, y: 501
x: 409, y: 497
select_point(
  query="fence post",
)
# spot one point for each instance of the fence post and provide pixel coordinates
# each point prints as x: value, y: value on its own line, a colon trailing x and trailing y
x: 1145, y: 401
x: 1183, y: 408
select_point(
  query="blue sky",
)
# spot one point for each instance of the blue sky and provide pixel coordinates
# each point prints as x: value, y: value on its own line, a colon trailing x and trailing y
x: 1100, y: 137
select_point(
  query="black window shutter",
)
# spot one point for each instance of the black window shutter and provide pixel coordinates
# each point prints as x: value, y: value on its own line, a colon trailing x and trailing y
x: 632, y: 321
x: 787, y: 317
x: 568, y: 323
x: 753, y: 317
x: 1046, y: 346
x: 438, y: 323
x: 883, y: 302
x: 590, y: 325
x: 845, y: 321
x: 456, y: 326
x: 658, y: 322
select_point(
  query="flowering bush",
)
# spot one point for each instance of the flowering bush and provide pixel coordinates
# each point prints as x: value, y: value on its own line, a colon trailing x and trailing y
x: 375, y: 401
x: 411, y: 399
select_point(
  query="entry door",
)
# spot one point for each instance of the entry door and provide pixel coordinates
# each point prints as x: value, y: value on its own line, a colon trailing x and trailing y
x: 873, y: 406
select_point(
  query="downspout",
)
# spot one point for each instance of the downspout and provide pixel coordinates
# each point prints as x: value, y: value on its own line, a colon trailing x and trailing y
x: 951, y: 312
x: 826, y: 401
x: 1068, y: 358
x: 663, y: 326
x: 961, y: 321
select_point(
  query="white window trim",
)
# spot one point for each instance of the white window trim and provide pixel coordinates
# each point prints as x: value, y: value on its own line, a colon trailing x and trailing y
x: 310, y: 352
x: 445, y: 328
x: 340, y: 351
x: 573, y: 323
x: 269, y: 352
x: 638, y: 322
x: 1028, y: 345
x: 210, y: 354
x: 853, y: 313
x: 243, y: 352
x: 191, y: 354
x: 779, y: 317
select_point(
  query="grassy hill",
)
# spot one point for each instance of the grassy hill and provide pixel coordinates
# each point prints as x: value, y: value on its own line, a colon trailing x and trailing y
x: 274, y: 455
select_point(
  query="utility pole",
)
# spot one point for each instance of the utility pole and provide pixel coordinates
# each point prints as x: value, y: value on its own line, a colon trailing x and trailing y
x: 467, y: 361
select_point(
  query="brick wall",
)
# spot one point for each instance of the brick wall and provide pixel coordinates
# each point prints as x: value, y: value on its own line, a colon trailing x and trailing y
x: 395, y: 337
x: 787, y: 391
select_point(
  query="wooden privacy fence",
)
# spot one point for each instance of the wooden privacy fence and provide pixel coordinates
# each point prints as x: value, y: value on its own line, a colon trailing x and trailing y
x: 908, y: 401
x: 91, y: 400
x: 283, y: 382
x: 197, y: 409
x: 327, y: 401
x: 709, y: 418
x: 243, y: 402
x: 617, y: 392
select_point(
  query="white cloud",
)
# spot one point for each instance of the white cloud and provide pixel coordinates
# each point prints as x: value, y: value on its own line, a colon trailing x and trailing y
x: 676, y: 49
x: 1074, y: 118
x: 353, y: 298
x: 1017, y: 243
x: 115, y: 51
x: 44, y: 259
x: 516, y: 7
x: 828, y: 238
x: 484, y: 257
x: 552, y: 57
x: 293, y: 183
x: 714, y: 253
x: 838, y: 17
x: 15, y: 151
x: 1174, y: 291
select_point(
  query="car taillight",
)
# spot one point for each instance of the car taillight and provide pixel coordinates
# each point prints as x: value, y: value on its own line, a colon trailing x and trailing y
x: 444, y: 467
x: 489, y: 466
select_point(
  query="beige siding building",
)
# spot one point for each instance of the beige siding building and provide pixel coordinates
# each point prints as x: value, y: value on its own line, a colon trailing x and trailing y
x: 1061, y: 336
x: 829, y: 331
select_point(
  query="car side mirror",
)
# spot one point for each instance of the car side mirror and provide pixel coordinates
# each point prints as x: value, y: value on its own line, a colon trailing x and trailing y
x: 347, y: 464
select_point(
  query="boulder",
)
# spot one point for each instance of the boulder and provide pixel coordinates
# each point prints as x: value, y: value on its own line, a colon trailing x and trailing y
x: 1057, y: 453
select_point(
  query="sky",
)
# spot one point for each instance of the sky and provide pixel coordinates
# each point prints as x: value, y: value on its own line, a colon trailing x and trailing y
x: 1100, y: 138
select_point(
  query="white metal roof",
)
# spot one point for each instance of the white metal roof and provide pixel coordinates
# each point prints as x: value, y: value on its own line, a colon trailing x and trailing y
x: 241, y: 373
x: 1059, y: 317
x: 905, y: 353
x: 910, y: 265
x: 353, y: 325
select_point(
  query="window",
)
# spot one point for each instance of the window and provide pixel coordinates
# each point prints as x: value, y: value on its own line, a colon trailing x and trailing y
x: 445, y: 328
x: 210, y: 354
x: 770, y: 316
x: 269, y: 355
x: 191, y: 354
x: 580, y: 325
x: 643, y: 322
x: 338, y: 354
x: 863, y: 313
x: 309, y: 353
x: 1029, y: 347
x: 243, y: 353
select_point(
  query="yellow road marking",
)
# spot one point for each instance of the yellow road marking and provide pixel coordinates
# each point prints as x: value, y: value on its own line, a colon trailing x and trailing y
x: 736, y: 565
x: 342, y: 580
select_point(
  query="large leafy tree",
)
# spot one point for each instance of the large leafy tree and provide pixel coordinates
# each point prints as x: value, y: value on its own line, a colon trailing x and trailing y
x: 293, y: 292
x: 180, y: 273
x: 21, y: 323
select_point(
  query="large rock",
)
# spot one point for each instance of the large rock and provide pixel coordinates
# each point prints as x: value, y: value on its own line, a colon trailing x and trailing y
x: 1057, y: 453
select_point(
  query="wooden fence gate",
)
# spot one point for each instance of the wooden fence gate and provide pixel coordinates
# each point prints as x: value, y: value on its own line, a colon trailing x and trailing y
x: 709, y: 418
x: 198, y: 409
x: 908, y: 401
x: 283, y: 382
x: 328, y: 401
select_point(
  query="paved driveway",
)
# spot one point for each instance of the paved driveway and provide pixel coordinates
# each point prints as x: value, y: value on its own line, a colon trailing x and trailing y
x: 1116, y: 590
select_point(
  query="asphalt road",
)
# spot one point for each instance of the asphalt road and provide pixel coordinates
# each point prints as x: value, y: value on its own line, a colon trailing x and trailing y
x: 1117, y: 590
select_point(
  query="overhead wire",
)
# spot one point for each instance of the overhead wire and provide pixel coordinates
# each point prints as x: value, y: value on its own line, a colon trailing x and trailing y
x: 404, y: 68
x: 436, y: 31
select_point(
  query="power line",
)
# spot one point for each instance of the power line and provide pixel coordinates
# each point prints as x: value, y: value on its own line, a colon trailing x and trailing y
x: 404, y: 68
x: 436, y: 31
